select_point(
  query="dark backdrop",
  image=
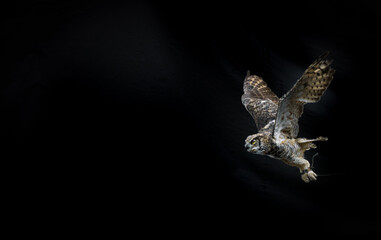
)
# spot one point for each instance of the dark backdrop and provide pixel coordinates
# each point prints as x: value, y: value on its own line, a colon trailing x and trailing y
x: 128, y: 114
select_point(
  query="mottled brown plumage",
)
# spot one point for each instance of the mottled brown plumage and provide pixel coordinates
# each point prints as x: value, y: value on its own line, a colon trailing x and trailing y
x: 277, y: 119
x: 259, y: 100
x: 308, y: 89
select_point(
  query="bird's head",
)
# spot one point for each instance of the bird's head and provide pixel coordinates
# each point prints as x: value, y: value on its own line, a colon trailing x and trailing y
x: 254, y: 143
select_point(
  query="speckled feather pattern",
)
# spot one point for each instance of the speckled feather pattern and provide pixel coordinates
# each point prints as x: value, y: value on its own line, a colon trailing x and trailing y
x: 308, y: 89
x: 259, y: 100
x: 277, y: 119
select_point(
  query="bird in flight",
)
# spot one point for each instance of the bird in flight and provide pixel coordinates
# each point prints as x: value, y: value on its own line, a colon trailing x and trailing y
x: 277, y: 118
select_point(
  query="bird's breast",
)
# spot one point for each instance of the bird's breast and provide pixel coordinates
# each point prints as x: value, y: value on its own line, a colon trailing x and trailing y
x: 284, y: 148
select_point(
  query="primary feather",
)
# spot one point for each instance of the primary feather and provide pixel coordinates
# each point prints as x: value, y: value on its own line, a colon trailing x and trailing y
x: 308, y: 89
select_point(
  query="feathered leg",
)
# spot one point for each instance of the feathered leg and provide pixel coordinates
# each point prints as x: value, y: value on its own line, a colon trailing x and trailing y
x: 304, y: 168
x: 307, y: 144
x: 305, y: 140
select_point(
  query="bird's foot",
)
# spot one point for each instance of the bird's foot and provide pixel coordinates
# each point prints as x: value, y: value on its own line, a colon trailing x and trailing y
x: 322, y: 139
x: 308, y: 175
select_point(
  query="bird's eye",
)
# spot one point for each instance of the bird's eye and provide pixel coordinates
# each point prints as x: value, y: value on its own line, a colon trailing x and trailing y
x: 253, y: 141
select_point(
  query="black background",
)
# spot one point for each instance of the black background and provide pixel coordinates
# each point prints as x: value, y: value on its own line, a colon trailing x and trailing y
x: 128, y: 114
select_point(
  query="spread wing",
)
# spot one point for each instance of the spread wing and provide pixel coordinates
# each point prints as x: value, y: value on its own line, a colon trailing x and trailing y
x: 259, y: 100
x: 308, y: 89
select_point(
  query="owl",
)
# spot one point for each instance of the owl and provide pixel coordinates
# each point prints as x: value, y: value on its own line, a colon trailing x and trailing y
x: 277, y: 118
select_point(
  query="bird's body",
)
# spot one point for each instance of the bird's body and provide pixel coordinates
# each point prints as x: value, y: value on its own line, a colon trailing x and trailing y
x: 277, y: 119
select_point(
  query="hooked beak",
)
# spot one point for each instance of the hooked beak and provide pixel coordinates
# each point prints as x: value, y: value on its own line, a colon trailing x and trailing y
x: 248, y: 147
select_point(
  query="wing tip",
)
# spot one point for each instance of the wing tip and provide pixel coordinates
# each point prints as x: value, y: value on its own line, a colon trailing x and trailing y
x: 322, y: 57
x: 322, y: 61
x: 325, y: 54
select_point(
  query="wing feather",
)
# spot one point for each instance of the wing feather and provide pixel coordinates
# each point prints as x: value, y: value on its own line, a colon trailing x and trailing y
x: 259, y: 100
x: 308, y: 89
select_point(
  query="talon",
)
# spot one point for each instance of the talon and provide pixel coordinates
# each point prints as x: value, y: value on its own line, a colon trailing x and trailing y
x: 308, y: 176
x: 305, y: 178
x: 312, y: 175
x: 323, y: 138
